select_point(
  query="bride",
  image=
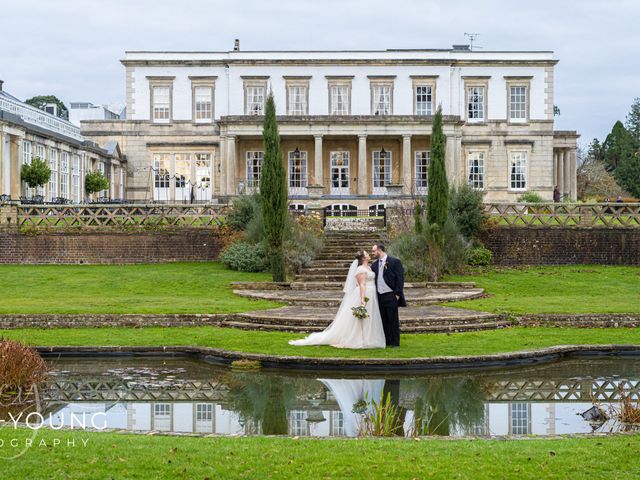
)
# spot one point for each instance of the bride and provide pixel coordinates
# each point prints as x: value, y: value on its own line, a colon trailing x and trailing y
x: 346, y: 331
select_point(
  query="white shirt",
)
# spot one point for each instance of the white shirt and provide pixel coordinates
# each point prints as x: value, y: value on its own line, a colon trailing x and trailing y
x: 382, y: 285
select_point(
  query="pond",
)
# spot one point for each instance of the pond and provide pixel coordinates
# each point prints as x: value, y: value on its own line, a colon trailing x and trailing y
x: 185, y: 395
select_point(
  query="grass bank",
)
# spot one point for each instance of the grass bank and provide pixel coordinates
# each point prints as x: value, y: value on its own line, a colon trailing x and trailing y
x: 109, y: 455
x: 275, y: 343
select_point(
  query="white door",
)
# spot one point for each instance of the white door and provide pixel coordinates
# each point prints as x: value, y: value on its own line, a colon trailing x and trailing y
x: 202, y: 187
x: 183, y: 177
x: 162, y: 177
x: 339, y: 173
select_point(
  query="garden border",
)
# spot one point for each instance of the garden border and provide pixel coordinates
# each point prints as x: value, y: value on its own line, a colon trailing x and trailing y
x: 441, y: 363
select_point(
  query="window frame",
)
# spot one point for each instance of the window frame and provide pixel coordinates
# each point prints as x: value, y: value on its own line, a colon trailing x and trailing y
x: 421, y: 190
x: 54, y: 161
x: 297, y: 82
x: 515, y: 82
x: 424, y: 81
x: 376, y: 82
x: 300, y: 189
x: 160, y: 82
x: 523, y: 171
x: 480, y: 175
x: 198, y: 82
x: 339, y: 82
x: 381, y: 189
x: 476, y: 82
x: 254, y: 82
x: 253, y: 179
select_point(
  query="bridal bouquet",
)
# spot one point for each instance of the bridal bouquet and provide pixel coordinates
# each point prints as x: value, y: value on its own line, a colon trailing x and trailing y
x: 361, y: 312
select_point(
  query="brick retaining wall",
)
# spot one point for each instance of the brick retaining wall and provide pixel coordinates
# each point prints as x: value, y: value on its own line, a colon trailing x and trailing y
x: 563, y: 246
x: 109, y: 246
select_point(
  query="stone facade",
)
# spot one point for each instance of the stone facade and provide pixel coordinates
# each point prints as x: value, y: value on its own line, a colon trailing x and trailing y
x: 345, y: 118
x: 26, y: 132
x: 563, y: 246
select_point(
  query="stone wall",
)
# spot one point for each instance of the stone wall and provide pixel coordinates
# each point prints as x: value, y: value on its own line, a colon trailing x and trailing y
x: 563, y: 246
x: 108, y: 246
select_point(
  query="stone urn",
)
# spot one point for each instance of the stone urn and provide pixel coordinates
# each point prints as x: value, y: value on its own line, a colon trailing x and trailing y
x: 315, y: 191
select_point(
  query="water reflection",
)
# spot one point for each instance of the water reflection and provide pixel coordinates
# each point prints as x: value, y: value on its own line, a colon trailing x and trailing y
x: 181, y: 395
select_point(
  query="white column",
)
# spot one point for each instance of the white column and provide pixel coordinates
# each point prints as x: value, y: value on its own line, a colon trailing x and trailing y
x: 555, y: 168
x: 317, y: 161
x: 221, y: 176
x: 449, y: 159
x: 560, y: 172
x: 405, y: 173
x: 6, y: 163
x: 231, y: 165
x: 573, y: 181
x: 566, y: 161
x: 362, y: 165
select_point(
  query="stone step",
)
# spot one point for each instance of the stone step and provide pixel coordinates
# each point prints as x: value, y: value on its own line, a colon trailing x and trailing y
x: 472, y: 327
x: 333, y: 297
x: 330, y: 285
x: 409, y: 317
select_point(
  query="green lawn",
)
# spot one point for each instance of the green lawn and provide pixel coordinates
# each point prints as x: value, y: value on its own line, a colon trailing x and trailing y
x: 558, y: 289
x: 275, y: 343
x: 108, y: 455
x: 153, y: 288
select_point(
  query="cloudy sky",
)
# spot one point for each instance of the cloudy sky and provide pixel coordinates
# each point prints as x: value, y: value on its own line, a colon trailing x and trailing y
x: 72, y: 48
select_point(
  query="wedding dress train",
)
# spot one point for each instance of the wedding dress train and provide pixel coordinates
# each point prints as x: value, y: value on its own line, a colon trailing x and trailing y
x: 346, y: 331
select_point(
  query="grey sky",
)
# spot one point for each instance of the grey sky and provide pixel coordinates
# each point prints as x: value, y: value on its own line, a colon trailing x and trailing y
x: 72, y: 48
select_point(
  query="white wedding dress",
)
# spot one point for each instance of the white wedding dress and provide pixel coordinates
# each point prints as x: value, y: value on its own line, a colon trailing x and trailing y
x: 346, y: 331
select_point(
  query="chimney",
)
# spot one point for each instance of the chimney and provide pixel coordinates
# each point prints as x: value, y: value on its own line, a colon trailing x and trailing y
x: 236, y: 45
x: 1, y: 82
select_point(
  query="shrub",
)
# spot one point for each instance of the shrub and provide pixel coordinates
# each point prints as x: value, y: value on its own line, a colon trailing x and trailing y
x: 21, y: 370
x: 412, y: 250
x: 447, y: 249
x: 465, y: 206
x: 242, y: 211
x: 530, y: 197
x: 479, y: 257
x: 245, y: 257
x: 36, y: 174
x: 95, y: 182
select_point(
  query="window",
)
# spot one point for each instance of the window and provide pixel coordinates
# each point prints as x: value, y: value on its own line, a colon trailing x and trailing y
x: 121, y: 183
x: 255, y: 99
x: 254, y: 169
x: 381, y: 101
x: 53, y: 180
x: 299, y: 423
x: 424, y: 100
x: 64, y: 175
x: 203, y: 177
x: 204, y: 417
x: 75, y: 178
x: 337, y: 424
x: 422, y: 171
x: 183, y: 177
x: 376, y: 210
x: 475, y: 170
x: 297, y: 207
x: 475, y: 103
x: 339, y: 100
x: 102, y: 169
x: 518, y: 103
x: 162, y: 176
x: 162, y: 416
x: 381, y: 171
x: 519, y: 415
x: 203, y: 104
x: 297, y: 172
x: 41, y: 154
x: 339, y: 173
x: 161, y: 96
x: 26, y: 152
x: 518, y: 171
x: 297, y: 98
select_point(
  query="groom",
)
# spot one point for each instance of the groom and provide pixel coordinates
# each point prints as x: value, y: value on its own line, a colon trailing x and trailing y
x: 389, y: 285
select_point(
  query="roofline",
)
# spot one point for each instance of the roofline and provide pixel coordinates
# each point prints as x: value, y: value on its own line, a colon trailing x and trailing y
x: 389, y: 50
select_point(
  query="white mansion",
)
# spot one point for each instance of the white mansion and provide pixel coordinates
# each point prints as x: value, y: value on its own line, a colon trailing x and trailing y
x: 355, y: 126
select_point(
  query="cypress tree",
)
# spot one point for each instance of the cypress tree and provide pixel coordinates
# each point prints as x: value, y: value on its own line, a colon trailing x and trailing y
x: 438, y: 193
x: 273, y: 192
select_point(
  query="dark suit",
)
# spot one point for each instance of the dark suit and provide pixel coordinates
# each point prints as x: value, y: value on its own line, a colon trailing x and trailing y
x: 393, y: 276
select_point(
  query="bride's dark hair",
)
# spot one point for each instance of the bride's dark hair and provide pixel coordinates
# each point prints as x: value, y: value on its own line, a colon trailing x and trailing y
x: 360, y: 257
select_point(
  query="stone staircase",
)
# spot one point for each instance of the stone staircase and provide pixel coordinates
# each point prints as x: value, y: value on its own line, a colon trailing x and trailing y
x: 314, y: 296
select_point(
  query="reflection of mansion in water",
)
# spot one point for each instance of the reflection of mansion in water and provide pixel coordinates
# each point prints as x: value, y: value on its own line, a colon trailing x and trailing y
x: 355, y: 126
x: 518, y: 418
